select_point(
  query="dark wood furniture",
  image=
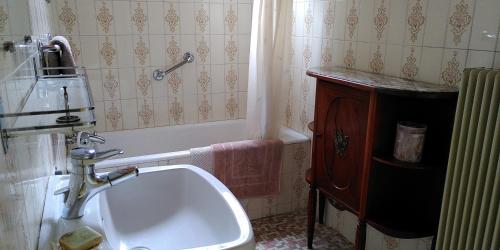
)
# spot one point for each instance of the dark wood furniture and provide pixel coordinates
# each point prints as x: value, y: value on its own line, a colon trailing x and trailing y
x: 355, y: 120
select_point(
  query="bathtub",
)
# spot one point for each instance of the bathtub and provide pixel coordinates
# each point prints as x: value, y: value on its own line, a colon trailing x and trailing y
x: 165, y: 145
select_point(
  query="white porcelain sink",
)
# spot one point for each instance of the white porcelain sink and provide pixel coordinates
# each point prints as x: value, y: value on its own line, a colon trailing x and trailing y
x: 175, y: 207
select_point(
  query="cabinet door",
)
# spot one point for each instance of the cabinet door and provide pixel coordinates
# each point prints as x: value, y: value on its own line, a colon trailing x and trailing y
x: 341, y: 116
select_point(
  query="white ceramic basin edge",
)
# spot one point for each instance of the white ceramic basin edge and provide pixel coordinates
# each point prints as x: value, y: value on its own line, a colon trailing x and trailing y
x: 169, y: 207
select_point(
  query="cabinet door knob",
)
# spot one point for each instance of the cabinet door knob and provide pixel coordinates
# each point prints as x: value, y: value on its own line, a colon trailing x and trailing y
x: 341, y: 142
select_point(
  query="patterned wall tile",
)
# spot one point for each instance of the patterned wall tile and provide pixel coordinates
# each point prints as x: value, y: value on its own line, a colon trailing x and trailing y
x: 126, y: 40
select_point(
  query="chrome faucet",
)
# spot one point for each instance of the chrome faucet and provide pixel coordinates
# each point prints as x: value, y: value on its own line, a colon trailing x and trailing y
x: 85, y: 184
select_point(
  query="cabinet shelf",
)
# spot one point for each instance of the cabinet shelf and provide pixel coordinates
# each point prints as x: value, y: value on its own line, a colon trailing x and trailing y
x: 393, y: 162
x: 394, y: 227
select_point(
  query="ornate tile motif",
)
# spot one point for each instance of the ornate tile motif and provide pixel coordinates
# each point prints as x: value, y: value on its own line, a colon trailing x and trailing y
x: 327, y: 53
x: 231, y: 79
x: 174, y: 81
x: 308, y: 19
x: 143, y: 82
x: 329, y: 16
x: 146, y: 113
x: 3, y: 19
x: 108, y: 52
x: 298, y: 187
x: 288, y: 113
x: 410, y: 68
x: 349, y: 60
x: 231, y: 49
x: 381, y: 20
x: 306, y: 55
x: 204, y: 108
x: 204, y: 80
x: 377, y: 63
x: 232, y: 107
x: 141, y: 51
x: 173, y: 51
x: 288, y: 231
x: 176, y: 111
x: 459, y: 21
x: 352, y: 20
x: 110, y: 84
x: 391, y: 243
x: 203, y: 50
x: 452, y: 74
x: 104, y: 18
x: 299, y: 156
x: 172, y: 18
x: 114, y: 116
x: 231, y: 18
x: 202, y: 19
x: 415, y: 20
x: 303, y: 119
x: 304, y: 87
x: 139, y: 18
x: 67, y: 17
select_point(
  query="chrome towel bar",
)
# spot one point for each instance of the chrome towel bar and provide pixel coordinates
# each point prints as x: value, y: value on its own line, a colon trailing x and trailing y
x: 159, y: 74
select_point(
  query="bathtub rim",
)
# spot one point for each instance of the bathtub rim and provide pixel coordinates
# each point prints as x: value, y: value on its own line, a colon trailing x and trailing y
x: 287, y: 135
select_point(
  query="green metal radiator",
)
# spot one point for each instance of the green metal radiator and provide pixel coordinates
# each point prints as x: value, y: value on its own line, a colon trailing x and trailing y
x: 470, y: 217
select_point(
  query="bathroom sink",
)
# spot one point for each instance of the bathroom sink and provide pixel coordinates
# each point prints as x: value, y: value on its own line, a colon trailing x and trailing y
x: 174, y: 207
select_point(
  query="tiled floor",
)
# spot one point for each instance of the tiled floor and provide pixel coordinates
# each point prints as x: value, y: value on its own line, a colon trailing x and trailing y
x: 288, y: 231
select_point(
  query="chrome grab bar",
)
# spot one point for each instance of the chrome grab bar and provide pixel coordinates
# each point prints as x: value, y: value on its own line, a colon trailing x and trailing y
x: 159, y: 74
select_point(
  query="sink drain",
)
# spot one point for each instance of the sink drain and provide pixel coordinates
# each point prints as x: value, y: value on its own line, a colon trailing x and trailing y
x: 140, y: 248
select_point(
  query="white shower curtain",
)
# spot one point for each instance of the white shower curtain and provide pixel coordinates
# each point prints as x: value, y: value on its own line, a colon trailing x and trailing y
x: 268, y: 67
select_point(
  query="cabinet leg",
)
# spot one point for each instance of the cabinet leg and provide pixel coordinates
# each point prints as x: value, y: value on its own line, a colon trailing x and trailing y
x: 360, y: 235
x: 311, y: 215
x: 321, y: 208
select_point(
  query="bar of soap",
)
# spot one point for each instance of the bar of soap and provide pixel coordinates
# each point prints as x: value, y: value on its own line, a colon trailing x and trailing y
x: 83, y: 238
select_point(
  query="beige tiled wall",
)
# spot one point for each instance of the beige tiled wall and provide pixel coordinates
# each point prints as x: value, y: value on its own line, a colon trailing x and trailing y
x: 24, y: 170
x: 122, y: 42
x: 427, y: 40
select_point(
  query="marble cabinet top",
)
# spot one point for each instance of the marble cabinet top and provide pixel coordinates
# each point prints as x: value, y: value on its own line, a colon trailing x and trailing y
x: 377, y: 81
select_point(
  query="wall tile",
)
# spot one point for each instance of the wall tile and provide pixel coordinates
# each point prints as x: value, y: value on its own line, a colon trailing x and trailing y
x: 87, y: 18
x: 477, y: 58
x: 497, y: 61
x: 156, y: 18
x: 428, y: 70
x: 435, y: 25
x: 161, y: 111
x: 365, y: 25
x: 452, y: 66
x: 459, y: 23
x: 129, y: 113
x: 396, y: 27
x: 415, y: 22
x: 485, y: 25
x: 121, y: 17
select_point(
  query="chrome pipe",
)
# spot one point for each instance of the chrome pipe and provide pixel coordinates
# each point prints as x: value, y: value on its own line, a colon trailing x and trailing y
x: 159, y: 74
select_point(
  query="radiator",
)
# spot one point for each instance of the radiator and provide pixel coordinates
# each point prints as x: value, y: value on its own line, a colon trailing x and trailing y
x: 470, y: 216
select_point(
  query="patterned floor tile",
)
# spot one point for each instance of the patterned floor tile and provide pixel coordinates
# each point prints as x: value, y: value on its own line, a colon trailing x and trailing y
x: 288, y: 231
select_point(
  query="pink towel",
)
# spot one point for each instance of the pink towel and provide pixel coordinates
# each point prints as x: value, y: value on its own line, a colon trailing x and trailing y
x: 249, y: 168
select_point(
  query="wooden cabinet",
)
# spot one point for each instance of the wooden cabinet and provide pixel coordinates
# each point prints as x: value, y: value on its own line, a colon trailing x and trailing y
x: 352, y: 166
x: 339, y: 141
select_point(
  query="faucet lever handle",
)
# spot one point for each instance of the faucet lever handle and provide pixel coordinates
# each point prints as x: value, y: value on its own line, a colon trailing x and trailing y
x: 63, y: 190
x: 90, y: 156
x: 86, y: 138
x: 100, y: 156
